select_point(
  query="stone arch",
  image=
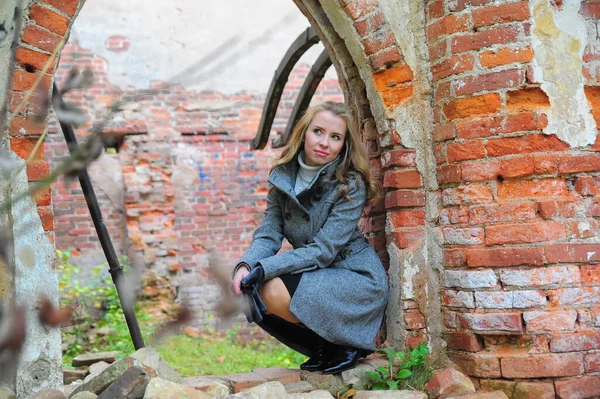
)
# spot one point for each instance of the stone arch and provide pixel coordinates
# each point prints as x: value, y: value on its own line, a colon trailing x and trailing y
x: 386, y: 82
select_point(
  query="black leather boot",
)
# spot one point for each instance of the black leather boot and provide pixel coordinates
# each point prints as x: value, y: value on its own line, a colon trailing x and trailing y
x: 345, y: 358
x: 321, y: 357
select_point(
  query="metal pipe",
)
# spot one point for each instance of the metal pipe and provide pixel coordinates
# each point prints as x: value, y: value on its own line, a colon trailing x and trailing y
x: 115, y: 268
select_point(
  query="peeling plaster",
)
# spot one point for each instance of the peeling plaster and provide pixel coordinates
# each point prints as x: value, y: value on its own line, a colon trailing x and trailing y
x: 35, y: 278
x: 559, y: 40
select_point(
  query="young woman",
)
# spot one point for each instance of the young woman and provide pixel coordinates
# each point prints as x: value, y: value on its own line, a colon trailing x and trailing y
x: 326, y: 297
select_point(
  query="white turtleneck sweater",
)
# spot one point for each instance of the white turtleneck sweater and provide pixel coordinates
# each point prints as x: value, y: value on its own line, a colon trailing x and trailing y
x: 306, y: 174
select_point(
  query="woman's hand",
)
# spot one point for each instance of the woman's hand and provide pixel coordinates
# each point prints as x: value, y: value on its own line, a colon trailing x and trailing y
x: 236, y: 284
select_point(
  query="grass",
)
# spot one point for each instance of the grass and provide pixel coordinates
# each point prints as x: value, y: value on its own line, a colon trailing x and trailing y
x: 216, y: 354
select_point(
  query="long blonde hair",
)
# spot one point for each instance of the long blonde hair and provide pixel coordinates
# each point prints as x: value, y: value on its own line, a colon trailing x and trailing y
x: 353, y: 156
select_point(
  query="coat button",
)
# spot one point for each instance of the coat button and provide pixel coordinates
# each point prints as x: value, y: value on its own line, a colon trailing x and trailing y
x: 346, y: 253
x: 307, y: 218
x: 307, y: 242
x: 288, y: 216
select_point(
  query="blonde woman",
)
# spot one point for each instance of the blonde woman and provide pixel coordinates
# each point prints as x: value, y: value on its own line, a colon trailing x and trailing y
x: 325, y: 298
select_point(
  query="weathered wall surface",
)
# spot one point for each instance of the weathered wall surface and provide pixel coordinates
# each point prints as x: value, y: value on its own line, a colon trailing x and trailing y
x: 183, y: 180
x: 31, y: 277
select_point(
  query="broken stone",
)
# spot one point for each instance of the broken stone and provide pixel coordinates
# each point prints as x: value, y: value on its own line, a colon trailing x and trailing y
x: 281, y: 374
x: 146, y: 358
x: 319, y: 394
x: 99, y: 367
x: 163, y: 389
x: 209, y: 384
x: 130, y: 385
x: 390, y: 395
x: 70, y: 375
x: 244, y: 381
x: 356, y: 376
x: 88, y: 359
x: 84, y: 395
x: 328, y: 382
x: 48, y: 394
x: 449, y: 382
x: 485, y: 395
x: 69, y: 389
x: 299, y: 387
x: 268, y: 390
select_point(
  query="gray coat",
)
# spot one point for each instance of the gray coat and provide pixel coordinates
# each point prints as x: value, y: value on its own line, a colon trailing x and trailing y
x: 343, y: 290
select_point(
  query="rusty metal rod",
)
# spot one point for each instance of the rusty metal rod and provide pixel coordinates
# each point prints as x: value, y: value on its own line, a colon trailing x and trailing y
x: 115, y: 268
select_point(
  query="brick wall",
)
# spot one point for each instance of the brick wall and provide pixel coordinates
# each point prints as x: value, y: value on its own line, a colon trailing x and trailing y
x: 189, y: 178
x: 519, y: 217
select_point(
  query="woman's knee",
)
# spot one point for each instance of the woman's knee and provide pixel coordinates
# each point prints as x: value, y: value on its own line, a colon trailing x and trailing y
x: 275, y: 295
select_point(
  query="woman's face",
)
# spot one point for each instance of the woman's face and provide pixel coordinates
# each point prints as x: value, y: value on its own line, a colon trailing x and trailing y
x: 324, y: 138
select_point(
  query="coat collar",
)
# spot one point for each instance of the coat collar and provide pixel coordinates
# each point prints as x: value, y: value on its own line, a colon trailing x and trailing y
x: 283, y: 177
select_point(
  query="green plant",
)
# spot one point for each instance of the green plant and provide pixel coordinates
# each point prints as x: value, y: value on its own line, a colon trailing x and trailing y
x: 412, y: 371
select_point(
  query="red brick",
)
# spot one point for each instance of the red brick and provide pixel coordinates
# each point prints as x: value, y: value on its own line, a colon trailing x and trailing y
x: 572, y: 253
x: 402, y: 179
x: 592, y: 362
x: 542, y: 366
x: 23, y: 126
x: 448, y: 174
x: 489, y: 82
x: 590, y: 10
x: 43, y: 197
x: 582, y: 229
x: 585, y: 296
x: 407, y: 238
x: 545, y: 164
x: 454, y: 257
x: 523, y: 121
x: 524, y: 233
x: 438, y: 50
x: 581, y: 163
x: 525, y: 144
x: 37, y: 170
x: 467, y: 194
x: 548, y: 275
x: 69, y: 7
x: 385, y: 58
x: 46, y: 218
x: 470, y: 106
x: 538, y: 188
x: 463, y: 236
x: 379, y: 41
x: 581, y: 387
x: 414, y: 338
x: 449, y: 24
x: 459, y: 299
x: 370, y: 24
x: 477, y: 365
x: 407, y: 218
x: 575, y: 342
x: 516, y: 167
x: 484, y: 38
x: 40, y: 38
x: 465, y: 150
x: 501, y: 14
x: 505, y: 56
x: 483, y: 127
x: 527, y: 99
x: 590, y: 274
x: 444, y: 132
x: 463, y: 341
x: 547, y: 209
x: 503, y: 257
x: 24, y: 147
x: 399, y: 158
x: 539, y: 321
x: 452, y: 66
x: 32, y: 59
x: 587, y: 185
x: 454, y: 215
x: 510, y: 322
x: 460, y: 5
x: 435, y: 9
x: 357, y: 9
x: 404, y: 198
x: 414, y: 320
x: 480, y: 171
x: 503, y: 212
x: 48, y: 19
x: 439, y: 152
